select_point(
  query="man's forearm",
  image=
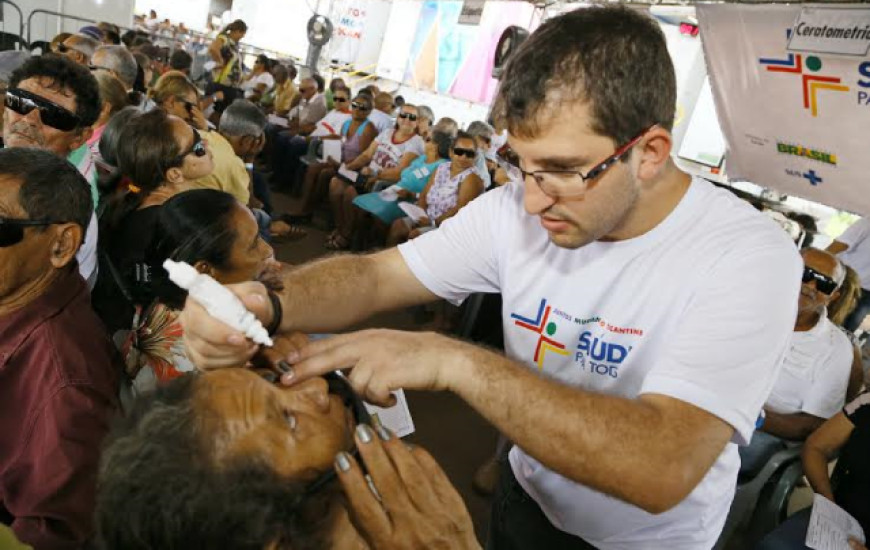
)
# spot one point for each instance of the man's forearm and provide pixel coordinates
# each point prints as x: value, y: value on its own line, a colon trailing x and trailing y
x: 335, y: 293
x: 794, y: 427
x: 623, y: 447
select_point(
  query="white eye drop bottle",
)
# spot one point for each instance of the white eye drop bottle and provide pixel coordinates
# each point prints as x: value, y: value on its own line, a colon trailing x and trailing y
x: 220, y: 303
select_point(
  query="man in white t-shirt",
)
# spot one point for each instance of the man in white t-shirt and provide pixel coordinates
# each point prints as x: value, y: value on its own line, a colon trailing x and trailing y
x: 646, y: 313
x: 853, y: 248
x: 811, y: 387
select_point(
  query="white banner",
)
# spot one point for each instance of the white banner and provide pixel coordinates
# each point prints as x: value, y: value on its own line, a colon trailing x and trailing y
x: 839, y: 30
x: 794, y: 122
x: 359, y: 32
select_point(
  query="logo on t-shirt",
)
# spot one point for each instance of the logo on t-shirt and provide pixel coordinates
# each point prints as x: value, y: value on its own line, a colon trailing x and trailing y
x: 541, y: 325
x: 601, y: 348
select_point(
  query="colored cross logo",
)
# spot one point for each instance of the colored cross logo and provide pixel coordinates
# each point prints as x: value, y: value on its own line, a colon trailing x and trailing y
x: 540, y: 325
x: 795, y: 64
x: 814, y: 178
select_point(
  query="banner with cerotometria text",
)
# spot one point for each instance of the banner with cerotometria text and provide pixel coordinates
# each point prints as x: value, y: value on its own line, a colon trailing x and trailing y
x: 795, y: 120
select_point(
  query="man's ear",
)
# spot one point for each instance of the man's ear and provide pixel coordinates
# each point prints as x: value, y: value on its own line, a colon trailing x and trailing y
x: 654, y: 150
x: 65, y: 245
x: 174, y: 175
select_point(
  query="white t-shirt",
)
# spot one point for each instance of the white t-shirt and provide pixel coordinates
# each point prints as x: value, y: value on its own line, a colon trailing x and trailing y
x: 858, y: 255
x: 389, y: 153
x: 331, y: 123
x: 381, y: 120
x: 700, y: 308
x: 263, y: 78
x: 815, y: 372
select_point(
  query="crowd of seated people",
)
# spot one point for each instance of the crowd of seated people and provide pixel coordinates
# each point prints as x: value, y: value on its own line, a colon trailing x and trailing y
x: 115, y: 161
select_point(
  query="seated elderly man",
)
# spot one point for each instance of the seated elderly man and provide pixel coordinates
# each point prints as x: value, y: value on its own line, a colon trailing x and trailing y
x: 290, y: 144
x: 52, y: 103
x: 226, y: 459
x: 79, y: 48
x: 58, y: 377
x: 811, y: 386
x: 239, y: 139
x: 119, y: 61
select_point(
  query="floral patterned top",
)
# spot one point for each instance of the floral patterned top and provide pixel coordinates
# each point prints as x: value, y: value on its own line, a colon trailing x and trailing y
x: 444, y: 193
x: 154, y: 351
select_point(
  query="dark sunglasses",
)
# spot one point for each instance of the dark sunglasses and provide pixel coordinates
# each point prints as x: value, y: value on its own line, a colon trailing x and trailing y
x: 12, y: 231
x: 824, y: 284
x: 337, y: 99
x: 467, y: 153
x: 51, y: 114
x: 198, y: 147
x: 410, y: 116
x: 359, y: 107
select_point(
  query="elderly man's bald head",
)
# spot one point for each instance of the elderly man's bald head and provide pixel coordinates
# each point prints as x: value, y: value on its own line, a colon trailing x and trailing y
x: 384, y: 102
x: 80, y: 48
x: 824, y: 262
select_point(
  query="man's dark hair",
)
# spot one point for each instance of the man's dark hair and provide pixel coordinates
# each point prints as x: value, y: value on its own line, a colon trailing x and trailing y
x: 180, y: 60
x: 292, y: 71
x: 614, y: 58
x: 128, y: 38
x: 321, y: 83
x: 63, y: 73
x: 51, y: 188
x: 113, y: 37
x: 160, y: 487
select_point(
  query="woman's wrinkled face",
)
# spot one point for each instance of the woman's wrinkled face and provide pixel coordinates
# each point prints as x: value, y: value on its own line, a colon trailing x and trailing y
x: 405, y: 122
x: 249, y: 253
x: 459, y: 154
x: 298, y: 430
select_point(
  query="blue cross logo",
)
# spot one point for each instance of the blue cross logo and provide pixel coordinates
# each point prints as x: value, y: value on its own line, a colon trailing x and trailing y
x: 814, y: 178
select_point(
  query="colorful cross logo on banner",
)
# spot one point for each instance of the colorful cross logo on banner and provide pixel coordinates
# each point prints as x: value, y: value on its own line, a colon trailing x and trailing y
x: 795, y: 64
x: 540, y: 325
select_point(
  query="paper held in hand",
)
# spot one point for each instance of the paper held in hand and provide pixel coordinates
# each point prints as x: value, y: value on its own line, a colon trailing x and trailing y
x: 397, y: 418
x: 831, y: 527
x: 331, y: 148
x: 278, y: 121
x: 413, y: 211
x: 349, y: 174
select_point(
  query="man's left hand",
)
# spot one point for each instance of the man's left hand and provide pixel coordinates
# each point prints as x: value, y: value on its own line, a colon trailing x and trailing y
x: 384, y: 360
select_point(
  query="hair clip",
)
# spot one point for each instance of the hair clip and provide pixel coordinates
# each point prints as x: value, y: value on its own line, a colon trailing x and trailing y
x: 133, y: 188
x: 142, y: 273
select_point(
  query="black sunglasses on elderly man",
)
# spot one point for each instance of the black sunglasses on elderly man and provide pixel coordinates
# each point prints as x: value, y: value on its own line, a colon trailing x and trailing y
x: 51, y: 114
x: 12, y: 230
x: 824, y: 284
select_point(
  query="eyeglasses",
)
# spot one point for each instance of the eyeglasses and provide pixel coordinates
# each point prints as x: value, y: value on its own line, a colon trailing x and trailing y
x: 188, y: 105
x: 198, y: 149
x: 824, y: 284
x: 339, y: 99
x: 51, y: 114
x: 564, y: 183
x: 467, y: 153
x: 359, y: 107
x: 12, y: 230
x: 410, y: 116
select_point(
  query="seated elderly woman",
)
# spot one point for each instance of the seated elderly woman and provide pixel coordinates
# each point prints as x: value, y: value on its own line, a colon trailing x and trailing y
x: 209, y: 230
x: 161, y: 155
x: 226, y: 459
x: 356, y: 136
x: 384, y: 160
x: 384, y: 205
x: 451, y: 186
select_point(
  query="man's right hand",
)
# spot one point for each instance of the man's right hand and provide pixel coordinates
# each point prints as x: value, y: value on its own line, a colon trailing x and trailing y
x: 212, y: 344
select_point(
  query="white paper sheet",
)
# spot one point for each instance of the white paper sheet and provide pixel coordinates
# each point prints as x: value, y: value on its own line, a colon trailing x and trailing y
x: 278, y: 121
x: 397, y: 418
x: 390, y: 194
x: 349, y: 174
x: 831, y: 527
x: 331, y: 148
x: 415, y: 212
